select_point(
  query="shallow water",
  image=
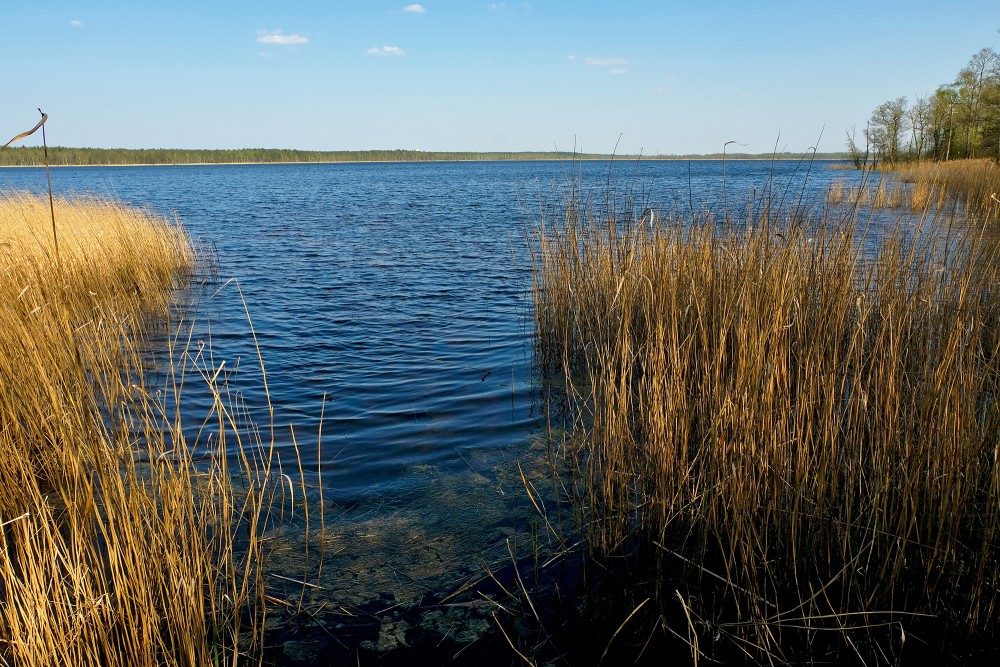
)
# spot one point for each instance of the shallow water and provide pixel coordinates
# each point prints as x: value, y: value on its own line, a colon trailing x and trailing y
x: 394, y: 299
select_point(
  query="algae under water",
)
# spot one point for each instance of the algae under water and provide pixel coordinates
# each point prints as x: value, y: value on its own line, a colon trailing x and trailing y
x: 394, y: 300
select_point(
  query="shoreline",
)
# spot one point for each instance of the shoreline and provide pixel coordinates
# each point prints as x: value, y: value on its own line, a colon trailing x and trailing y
x: 609, y: 158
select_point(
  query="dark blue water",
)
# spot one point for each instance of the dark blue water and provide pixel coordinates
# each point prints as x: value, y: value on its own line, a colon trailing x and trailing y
x: 399, y: 292
x: 394, y: 299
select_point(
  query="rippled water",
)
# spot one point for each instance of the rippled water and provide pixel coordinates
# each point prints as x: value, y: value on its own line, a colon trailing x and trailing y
x: 397, y: 291
x: 401, y: 294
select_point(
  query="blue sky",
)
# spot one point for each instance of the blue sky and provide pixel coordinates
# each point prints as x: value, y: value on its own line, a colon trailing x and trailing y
x: 668, y: 77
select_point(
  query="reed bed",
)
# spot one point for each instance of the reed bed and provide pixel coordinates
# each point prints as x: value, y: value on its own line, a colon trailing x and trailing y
x: 802, y: 436
x: 836, y: 192
x: 974, y: 184
x: 116, y: 546
x: 888, y: 193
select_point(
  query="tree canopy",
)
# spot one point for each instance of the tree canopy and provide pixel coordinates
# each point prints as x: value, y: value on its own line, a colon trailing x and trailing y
x: 960, y: 119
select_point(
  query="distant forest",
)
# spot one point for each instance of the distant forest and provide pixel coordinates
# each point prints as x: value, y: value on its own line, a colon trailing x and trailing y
x: 33, y: 156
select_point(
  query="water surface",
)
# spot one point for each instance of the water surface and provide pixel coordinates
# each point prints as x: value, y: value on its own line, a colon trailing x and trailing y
x: 394, y: 299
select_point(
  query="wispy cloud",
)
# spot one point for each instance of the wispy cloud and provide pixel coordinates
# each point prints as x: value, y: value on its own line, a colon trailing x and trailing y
x: 277, y: 37
x: 386, y: 51
x: 618, y: 71
x: 605, y: 62
x: 571, y: 57
x: 496, y: 5
x: 76, y: 23
x: 415, y: 9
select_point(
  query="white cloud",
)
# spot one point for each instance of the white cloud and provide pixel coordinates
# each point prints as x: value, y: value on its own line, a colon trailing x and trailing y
x: 416, y: 9
x: 496, y: 5
x: 386, y: 51
x: 605, y: 62
x: 571, y: 57
x: 76, y: 23
x: 618, y: 70
x: 276, y: 37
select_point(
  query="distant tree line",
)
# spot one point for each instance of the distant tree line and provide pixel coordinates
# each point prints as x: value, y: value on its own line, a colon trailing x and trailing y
x: 33, y: 156
x: 28, y: 156
x: 960, y: 119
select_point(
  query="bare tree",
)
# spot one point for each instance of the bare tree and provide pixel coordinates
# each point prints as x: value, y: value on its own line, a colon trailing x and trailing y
x: 858, y: 157
x: 886, y: 128
x: 942, y: 135
x: 920, y: 120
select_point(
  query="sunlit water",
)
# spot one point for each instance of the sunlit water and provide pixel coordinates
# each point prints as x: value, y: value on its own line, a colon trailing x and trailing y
x: 394, y: 299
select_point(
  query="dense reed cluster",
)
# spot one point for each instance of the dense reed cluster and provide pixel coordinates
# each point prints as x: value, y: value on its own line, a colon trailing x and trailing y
x: 970, y: 188
x: 796, y: 419
x: 973, y: 184
x: 116, y: 546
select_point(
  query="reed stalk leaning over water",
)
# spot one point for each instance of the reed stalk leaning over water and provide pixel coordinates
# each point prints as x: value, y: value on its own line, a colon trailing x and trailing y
x: 48, y: 172
x: 116, y: 547
x: 807, y: 431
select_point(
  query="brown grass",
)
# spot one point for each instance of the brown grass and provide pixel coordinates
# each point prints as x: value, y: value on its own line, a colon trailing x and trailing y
x: 974, y: 184
x: 836, y: 192
x: 116, y: 547
x: 916, y: 189
x: 808, y: 432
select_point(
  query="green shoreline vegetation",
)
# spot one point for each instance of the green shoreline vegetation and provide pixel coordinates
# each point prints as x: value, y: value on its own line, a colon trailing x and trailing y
x: 31, y: 156
x: 779, y: 443
x: 959, y: 120
x: 796, y: 438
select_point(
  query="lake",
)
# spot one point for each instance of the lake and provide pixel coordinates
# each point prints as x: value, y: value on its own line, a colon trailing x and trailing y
x: 394, y: 299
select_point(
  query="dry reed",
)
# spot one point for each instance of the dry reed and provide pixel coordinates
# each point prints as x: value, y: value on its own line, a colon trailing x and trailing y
x: 973, y: 184
x: 116, y: 547
x: 807, y: 431
x: 835, y: 193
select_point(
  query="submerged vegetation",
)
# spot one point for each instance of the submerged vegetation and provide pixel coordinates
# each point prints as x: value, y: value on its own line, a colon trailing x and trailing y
x: 779, y: 426
x: 117, y: 547
x: 792, y: 421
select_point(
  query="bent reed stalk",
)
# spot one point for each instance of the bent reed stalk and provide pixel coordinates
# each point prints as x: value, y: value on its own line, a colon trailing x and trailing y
x: 116, y: 546
x: 803, y: 435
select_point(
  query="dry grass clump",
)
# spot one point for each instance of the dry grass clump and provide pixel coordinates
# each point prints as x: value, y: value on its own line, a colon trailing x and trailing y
x: 836, y: 192
x: 975, y: 184
x: 887, y: 194
x: 918, y: 196
x: 808, y: 433
x: 115, y: 547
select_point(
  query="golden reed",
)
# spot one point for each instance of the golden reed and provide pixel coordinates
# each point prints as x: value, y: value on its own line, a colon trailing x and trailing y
x: 116, y: 547
x: 805, y: 427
